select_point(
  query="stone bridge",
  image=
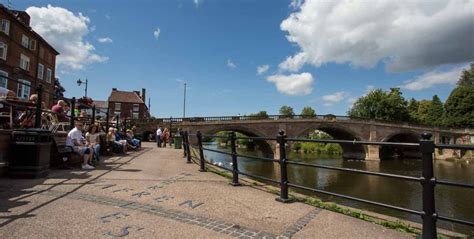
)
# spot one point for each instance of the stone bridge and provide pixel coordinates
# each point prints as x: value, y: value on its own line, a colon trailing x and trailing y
x: 342, y: 128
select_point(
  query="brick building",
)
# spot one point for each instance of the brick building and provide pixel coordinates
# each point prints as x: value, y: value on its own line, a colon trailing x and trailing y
x: 128, y: 104
x: 25, y: 56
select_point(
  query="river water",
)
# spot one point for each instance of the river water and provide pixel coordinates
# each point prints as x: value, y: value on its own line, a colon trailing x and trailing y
x: 450, y: 201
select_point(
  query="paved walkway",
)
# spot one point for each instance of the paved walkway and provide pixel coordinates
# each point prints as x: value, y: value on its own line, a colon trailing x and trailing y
x: 153, y: 193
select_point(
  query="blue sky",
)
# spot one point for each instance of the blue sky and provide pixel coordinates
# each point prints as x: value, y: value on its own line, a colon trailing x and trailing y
x: 216, y: 46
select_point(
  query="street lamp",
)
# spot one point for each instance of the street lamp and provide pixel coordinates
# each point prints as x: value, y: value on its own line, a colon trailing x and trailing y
x: 79, y: 82
x: 184, y: 102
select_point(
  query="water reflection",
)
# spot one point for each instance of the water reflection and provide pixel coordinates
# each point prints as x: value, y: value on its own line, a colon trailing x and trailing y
x: 450, y: 201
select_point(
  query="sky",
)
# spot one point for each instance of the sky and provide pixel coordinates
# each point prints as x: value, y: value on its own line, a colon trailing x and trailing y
x: 241, y: 56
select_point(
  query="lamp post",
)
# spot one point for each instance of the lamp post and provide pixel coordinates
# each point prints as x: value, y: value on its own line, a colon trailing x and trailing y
x: 79, y: 82
x: 184, y: 102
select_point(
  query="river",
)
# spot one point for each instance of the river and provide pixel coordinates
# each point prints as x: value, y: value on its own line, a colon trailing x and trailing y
x: 450, y: 201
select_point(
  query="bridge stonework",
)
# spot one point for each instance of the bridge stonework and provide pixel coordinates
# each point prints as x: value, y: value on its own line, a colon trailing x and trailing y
x: 345, y: 129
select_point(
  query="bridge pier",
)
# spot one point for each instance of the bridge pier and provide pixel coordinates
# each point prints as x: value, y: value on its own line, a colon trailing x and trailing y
x: 372, y: 150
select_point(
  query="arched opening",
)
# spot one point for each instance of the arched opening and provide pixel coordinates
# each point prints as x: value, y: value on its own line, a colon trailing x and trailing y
x: 347, y: 151
x: 252, y: 145
x: 393, y: 152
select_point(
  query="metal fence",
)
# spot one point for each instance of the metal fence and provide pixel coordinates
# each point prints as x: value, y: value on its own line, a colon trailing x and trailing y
x: 427, y: 180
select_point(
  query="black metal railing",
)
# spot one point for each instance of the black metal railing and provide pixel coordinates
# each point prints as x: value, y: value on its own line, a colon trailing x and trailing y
x: 427, y: 179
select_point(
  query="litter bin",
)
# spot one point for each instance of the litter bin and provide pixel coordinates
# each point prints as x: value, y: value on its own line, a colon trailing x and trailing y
x: 30, y: 155
x: 177, y: 141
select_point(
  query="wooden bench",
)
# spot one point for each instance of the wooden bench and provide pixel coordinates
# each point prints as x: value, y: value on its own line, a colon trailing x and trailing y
x: 62, y: 155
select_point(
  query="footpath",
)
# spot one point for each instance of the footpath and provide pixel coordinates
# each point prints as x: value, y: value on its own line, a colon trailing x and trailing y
x: 153, y: 193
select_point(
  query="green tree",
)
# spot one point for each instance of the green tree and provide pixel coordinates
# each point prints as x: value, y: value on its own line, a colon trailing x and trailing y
x: 382, y: 105
x: 308, y: 112
x: 435, y: 112
x: 460, y: 107
x: 287, y: 111
x: 260, y: 115
x: 467, y: 77
x: 413, y: 109
x: 421, y: 115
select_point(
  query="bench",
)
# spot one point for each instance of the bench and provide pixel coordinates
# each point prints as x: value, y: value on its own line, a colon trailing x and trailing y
x: 62, y: 155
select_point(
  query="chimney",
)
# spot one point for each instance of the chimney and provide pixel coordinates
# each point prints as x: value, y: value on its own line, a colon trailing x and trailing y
x: 143, y: 95
x: 114, y: 89
x: 22, y: 16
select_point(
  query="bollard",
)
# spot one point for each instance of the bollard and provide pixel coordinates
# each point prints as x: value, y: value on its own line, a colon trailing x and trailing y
x: 38, y: 112
x: 73, y: 105
x: 281, y: 139
x: 428, y: 183
x: 201, y: 153
x: 188, y: 149
x: 183, y: 136
x: 235, y: 169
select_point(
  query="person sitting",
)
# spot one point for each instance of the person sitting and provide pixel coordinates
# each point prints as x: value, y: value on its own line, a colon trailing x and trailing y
x: 93, y: 141
x: 118, y: 138
x: 115, y: 146
x: 131, y: 140
x: 76, y: 141
x: 58, y: 109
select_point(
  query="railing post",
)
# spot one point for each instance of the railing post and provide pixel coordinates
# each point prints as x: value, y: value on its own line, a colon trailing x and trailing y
x: 188, y: 149
x: 93, y: 115
x: 201, y: 152
x: 73, y: 106
x: 281, y: 139
x: 183, y: 136
x: 39, y: 94
x: 235, y: 168
x: 428, y: 182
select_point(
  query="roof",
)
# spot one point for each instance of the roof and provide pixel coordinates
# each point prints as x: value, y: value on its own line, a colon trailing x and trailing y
x: 125, y: 97
x: 11, y: 13
x: 101, y: 104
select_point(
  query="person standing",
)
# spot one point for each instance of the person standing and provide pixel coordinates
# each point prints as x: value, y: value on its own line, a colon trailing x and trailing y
x: 159, y: 134
x: 166, y: 136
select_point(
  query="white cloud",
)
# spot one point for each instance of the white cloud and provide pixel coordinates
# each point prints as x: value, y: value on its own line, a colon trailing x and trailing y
x: 65, y: 31
x: 231, y: 64
x: 294, y: 84
x: 105, y: 40
x: 156, y: 33
x: 335, y: 98
x: 405, y: 35
x: 107, y: 16
x: 262, y: 69
x: 296, y: 3
x: 197, y: 2
x: 433, y: 78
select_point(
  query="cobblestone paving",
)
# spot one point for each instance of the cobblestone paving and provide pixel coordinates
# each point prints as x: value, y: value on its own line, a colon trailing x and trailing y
x: 226, y: 228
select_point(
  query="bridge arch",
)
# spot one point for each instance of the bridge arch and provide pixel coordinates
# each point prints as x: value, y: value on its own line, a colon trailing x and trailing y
x: 340, y: 132
x: 402, y: 136
x: 263, y: 145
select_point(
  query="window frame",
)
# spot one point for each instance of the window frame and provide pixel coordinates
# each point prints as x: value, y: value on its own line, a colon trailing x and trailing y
x: 7, y: 26
x: 25, y: 41
x: 5, y: 47
x: 27, y: 59
x: 32, y: 45
x: 4, y: 73
x: 21, y: 89
x: 38, y: 75
x: 49, y: 75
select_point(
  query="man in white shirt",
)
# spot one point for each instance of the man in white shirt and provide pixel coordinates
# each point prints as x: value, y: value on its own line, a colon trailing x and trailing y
x: 159, y: 133
x: 77, y: 142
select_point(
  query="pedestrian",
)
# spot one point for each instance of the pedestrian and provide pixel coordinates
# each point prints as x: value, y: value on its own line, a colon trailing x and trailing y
x: 159, y: 134
x: 166, y: 136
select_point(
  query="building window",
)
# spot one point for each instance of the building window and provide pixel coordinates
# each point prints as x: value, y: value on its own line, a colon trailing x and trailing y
x: 136, y: 107
x: 24, y: 89
x: 117, y: 106
x: 5, y: 26
x: 3, y: 51
x: 49, y: 75
x: 25, y: 41
x: 3, y: 80
x: 32, y: 45
x: 135, y: 115
x: 40, y: 71
x: 24, y: 62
